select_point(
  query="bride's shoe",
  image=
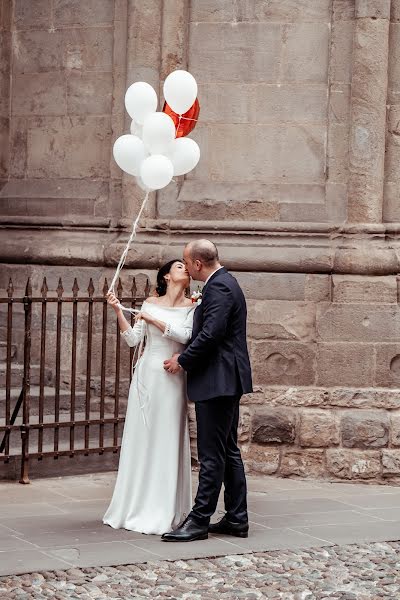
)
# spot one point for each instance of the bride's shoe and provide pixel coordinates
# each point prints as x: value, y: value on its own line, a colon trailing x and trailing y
x: 188, y: 531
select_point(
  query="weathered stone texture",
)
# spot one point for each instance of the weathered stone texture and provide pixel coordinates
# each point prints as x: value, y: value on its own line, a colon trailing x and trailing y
x: 353, y: 464
x: 364, y: 429
x: 364, y: 289
x: 318, y: 429
x: 273, y: 426
x: 345, y: 364
x: 390, y: 462
x: 303, y: 463
x: 283, y: 362
x: 261, y: 459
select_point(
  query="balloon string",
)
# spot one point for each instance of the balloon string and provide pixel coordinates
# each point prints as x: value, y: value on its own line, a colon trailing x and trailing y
x: 125, y: 252
x: 181, y: 117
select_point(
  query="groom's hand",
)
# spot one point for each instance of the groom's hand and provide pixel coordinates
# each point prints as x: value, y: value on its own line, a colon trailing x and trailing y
x: 171, y: 365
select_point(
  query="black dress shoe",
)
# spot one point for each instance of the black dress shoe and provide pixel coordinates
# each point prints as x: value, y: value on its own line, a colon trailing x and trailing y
x: 189, y: 531
x: 229, y: 528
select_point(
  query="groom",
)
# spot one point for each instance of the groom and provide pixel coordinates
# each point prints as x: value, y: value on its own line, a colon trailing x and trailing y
x: 218, y: 373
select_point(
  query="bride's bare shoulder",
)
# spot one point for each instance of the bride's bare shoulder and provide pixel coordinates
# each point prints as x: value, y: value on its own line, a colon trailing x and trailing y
x: 153, y: 300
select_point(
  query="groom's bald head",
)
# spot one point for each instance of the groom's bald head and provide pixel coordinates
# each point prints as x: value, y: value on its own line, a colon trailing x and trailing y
x: 201, y: 259
x: 204, y: 251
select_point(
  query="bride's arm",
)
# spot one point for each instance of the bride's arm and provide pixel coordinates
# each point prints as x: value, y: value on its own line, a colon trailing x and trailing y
x: 180, y: 333
x: 131, y: 335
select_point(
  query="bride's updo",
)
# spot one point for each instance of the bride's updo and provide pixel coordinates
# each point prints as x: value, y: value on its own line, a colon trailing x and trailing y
x: 161, y: 288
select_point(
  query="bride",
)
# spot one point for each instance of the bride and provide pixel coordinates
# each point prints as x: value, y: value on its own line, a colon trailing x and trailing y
x: 152, y: 493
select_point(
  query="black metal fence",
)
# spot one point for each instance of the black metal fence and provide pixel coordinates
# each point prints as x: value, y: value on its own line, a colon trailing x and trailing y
x: 64, y: 379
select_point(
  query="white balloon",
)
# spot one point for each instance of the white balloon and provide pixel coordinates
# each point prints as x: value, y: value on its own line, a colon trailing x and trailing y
x: 140, y: 101
x: 185, y: 155
x: 180, y: 91
x: 156, y: 171
x: 140, y: 183
x: 129, y: 153
x: 136, y: 129
x: 158, y: 133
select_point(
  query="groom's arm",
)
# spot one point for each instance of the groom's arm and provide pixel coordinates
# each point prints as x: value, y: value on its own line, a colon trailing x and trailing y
x: 217, y: 305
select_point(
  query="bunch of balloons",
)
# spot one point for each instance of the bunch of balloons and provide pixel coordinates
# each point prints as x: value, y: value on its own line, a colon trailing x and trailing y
x: 157, y: 147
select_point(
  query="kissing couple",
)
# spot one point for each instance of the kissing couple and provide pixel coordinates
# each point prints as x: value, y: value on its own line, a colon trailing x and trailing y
x: 196, y: 350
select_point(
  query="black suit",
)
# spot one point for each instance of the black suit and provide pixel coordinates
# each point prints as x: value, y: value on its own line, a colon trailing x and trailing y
x: 218, y: 373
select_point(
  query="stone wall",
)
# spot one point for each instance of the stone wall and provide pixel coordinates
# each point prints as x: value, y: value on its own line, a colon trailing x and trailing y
x: 298, y: 185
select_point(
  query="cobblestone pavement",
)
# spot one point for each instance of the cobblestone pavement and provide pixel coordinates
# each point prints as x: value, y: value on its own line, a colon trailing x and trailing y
x: 351, y: 572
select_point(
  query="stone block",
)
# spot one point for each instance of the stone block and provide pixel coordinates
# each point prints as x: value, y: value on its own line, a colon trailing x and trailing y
x: 387, y: 365
x: 395, y: 11
x: 283, y: 363
x: 38, y: 51
x: 353, y: 464
x: 261, y: 459
x: 358, y: 322
x: 39, y: 94
x: 5, y: 95
x: 372, y: 9
x: 28, y: 13
x: 89, y: 93
x: 318, y: 429
x: 341, y: 51
x: 318, y: 288
x: 339, y: 103
x: 213, y: 11
x: 244, y: 429
x: 394, y: 436
x: 5, y: 52
x: 249, y: 52
x: 343, y: 10
x: 365, y: 429
x: 307, y: 52
x: 290, y: 102
x: 285, y: 11
x: 88, y: 49
x: 272, y: 286
x: 301, y: 153
x: 90, y: 12
x: 345, y: 364
x: 292, y: 396
x: 390, y: 462
x: 303, y: 463
x: 281, y: 319
x: 367, y: 398
x: 357, y: 288
x: 227, y: 102
x: 337, y: 153
x: 273, y: 426
x: 55, y: 147
x: 336, y: 201
x: 4, y: 150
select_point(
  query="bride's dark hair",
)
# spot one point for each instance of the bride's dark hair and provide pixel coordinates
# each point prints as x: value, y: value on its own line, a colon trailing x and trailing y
x: 161, y: 288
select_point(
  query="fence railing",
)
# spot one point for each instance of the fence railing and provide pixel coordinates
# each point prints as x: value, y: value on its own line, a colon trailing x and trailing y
x: 64, y: 380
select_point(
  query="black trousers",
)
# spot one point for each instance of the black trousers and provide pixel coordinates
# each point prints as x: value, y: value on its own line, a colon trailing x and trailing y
x: 220, y: 460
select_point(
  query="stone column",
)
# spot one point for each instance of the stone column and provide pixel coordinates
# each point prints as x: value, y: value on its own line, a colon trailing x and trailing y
x: 368, y: 111
x: 391, y: 206
x: 5, y: 61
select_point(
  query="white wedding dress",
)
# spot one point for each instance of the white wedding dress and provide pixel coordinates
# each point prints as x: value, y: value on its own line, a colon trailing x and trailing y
x: 153, y: 491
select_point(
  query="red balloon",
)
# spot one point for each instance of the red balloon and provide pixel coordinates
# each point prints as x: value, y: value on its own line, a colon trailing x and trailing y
x: 185, y: 123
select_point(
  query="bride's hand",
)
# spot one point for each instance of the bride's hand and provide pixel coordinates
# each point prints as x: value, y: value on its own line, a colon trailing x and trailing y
x: 113, y: 301
x: 143, y: 316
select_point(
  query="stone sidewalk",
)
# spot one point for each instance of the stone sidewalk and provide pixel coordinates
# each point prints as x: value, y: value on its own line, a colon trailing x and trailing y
x: 55, y: 524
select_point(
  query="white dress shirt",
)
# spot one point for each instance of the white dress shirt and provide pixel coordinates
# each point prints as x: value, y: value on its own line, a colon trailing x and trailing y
x: 206, y: 281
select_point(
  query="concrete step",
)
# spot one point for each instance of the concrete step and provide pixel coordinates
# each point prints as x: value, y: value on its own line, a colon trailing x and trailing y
x: 17, y: 373
x: 3, y: 351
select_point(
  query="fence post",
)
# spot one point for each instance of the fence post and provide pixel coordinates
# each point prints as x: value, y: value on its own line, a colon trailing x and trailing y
x: 26, y: 384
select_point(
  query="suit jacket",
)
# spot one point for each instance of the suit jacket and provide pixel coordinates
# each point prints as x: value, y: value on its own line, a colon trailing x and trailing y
x: 216, y: 359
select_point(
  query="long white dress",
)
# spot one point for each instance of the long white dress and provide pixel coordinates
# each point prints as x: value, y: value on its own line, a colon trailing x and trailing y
x: 153, y: 491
